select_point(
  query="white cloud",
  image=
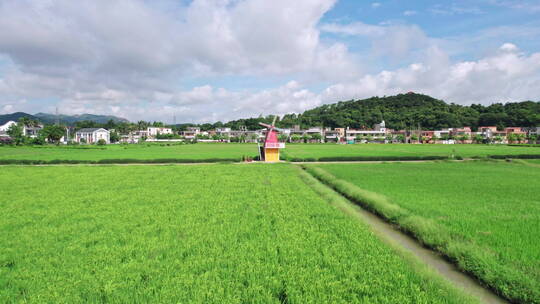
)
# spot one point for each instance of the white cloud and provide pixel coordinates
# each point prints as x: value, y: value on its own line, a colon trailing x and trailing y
x: 393, y: 39
x: 527, y: 6
x: 505, y: 76
x: 132, y: 58
x: 375, y: 4
x: 409, y: 13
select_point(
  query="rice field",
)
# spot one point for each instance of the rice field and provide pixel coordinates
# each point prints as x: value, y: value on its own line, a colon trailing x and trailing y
x: 331, y: 152
x: 197, y: 234
x: 215, y: 152
x: 199, y: 151
x: 484, y: 215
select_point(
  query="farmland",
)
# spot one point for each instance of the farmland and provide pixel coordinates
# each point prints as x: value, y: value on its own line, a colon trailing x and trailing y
x: 484, y: 215
x: 212, y: 152
x: 197, y: 152
x: 199, y: 234
x: 380, y: 151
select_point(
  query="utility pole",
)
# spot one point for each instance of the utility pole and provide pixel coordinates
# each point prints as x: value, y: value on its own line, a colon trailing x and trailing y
x: 57, y: 118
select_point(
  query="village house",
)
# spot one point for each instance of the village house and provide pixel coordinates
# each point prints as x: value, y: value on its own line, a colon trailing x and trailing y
x: 92, y: 135
x: 154, y: 131
x: 191, y: 132
x: 378, y: 133
x: 32, y: 131
x: 5, y: 127
x: 335, y: 135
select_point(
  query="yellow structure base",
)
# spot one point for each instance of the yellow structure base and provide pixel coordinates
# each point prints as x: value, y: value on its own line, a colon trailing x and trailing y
x: 271, y: 155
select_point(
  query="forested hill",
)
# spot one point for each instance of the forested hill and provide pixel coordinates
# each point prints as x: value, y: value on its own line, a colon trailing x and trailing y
x: 15, y: 117
x: 405, y: 111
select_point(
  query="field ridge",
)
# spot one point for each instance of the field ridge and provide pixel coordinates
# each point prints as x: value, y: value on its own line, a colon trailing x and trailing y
x: 468, y: 256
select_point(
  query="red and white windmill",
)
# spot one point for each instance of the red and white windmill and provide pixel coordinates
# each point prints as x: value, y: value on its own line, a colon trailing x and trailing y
x: 270, y: 151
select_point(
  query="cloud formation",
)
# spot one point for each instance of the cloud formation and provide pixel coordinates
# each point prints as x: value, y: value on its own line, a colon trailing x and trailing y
x: 139, y: 59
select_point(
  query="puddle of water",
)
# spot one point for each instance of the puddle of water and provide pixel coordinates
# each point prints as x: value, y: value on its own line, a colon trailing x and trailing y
x: 427, y: 256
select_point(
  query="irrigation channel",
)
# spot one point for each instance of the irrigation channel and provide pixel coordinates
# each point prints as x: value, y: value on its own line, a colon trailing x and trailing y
x: 431, y: 258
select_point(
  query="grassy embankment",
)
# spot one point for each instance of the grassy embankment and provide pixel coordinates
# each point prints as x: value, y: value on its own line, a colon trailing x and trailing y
x: 485, y: 216
x: 366, y: 152
x: 198, y: 234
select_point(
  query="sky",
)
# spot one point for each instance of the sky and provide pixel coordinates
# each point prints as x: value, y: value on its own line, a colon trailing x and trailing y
x: 217, y: 60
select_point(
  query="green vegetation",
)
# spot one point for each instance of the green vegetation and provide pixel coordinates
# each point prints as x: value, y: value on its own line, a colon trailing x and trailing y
x: 166, y: 153
x: 484, y: 215
x: 198, y: 234
x: 333, y: 152
x: 405, y: 111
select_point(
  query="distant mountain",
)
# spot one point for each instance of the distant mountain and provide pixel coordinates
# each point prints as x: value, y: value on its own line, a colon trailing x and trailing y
x: 15, y: 117
x: 72, y: 119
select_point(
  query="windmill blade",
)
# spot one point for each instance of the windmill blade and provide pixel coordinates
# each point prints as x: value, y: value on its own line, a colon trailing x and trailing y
x: 266, y: 125
x: 274, y: 122
x: 279, y: 129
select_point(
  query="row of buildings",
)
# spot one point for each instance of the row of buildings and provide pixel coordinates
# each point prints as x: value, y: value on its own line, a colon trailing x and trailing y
x: 379, y: 133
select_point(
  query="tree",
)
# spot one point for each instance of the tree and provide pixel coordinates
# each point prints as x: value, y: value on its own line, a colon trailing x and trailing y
x: 296, y: 138
x: 533, y: 138
x: 15, y: 131
x: 434, y: 138
x: 282, y: 137
x: 478, y: 138
x: 414, y: 137
x: 464, y: 138
x: 53, y: 133
x: 101, y: 142
x: 512, y: 137
x: 317, y: 137
x: 520, y: 137
x: 400, y: 138
x: 115, y: 137
x: 306, y: 137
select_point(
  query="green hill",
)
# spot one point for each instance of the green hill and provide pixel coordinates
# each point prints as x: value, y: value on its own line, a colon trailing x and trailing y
x: 15, y: 117
x: 405, y: 111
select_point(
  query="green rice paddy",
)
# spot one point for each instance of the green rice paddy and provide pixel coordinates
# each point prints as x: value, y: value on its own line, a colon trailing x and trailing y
x: 322, y: 152
x: 212, y: 152
x: 199, y: 151
x: 197, y: 234
x: 485, y: 215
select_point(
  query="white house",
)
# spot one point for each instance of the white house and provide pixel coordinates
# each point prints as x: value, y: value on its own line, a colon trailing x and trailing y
x: 5, y: 127
x: 154, y: 131
x: 92, y: 135
x: 379, y: 132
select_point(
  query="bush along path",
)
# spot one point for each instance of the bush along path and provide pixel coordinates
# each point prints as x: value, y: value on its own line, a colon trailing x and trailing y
x: 466, y: 255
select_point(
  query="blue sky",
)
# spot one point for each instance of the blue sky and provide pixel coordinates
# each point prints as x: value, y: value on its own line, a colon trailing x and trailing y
x: 209, y: 60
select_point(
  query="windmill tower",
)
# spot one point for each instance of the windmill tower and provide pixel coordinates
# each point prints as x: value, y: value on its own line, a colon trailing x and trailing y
x: 270, y: 150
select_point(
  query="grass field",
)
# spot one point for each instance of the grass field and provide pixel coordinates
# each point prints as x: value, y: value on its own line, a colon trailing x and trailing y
x: 324, y: 152
x: 212, y: 152
x: 200, y: 151
x: 483, y: 214
x: 197, y: 234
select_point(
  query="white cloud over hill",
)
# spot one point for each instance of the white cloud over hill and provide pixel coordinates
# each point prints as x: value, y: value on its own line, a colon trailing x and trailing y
x: 133, y: 58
